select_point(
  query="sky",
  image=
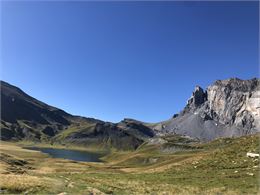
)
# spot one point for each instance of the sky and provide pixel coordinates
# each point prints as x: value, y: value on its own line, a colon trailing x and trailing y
x: 115, y: 60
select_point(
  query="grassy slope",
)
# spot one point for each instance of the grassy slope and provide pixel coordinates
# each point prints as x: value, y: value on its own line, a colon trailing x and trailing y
x: 220, y: 166
x: 72, y: 129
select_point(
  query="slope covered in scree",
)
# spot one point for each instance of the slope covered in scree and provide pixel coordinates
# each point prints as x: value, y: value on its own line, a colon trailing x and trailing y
x: 226, y: 108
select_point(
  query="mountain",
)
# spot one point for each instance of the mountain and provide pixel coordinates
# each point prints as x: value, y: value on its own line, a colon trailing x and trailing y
x: 226, y: 108
x: 26, y: 118
x: 21, y: 115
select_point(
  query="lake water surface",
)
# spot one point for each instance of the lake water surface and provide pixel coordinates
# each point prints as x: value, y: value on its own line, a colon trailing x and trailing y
x: 76, y: 155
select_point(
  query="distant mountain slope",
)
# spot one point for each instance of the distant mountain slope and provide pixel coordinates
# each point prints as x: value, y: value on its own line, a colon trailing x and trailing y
x: 17, y: 105
x: 24, y: 117
x: 124, y: 135
x: 23, y: 114
x: 227, y: 108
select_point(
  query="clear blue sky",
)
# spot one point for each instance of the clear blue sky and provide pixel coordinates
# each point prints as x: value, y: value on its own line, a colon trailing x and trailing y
x: 112, y: 60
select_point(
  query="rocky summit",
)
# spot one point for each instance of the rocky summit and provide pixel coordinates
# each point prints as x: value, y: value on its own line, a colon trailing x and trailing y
x: 226, y: 108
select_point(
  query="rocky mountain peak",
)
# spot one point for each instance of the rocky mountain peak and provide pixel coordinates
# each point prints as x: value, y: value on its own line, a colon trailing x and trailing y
x: 226, y: 108
x: 238, y: 84
x: 198, y: 97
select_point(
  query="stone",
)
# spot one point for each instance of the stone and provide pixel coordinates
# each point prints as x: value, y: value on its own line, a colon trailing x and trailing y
x: 227, y: 108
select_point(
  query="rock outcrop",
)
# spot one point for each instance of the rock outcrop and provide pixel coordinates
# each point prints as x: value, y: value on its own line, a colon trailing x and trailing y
x: 235, y: 102
x: 226, y: 108
x: 197, y: 99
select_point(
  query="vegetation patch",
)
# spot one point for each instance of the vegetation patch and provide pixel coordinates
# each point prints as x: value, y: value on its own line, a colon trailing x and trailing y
x: 218, y: 167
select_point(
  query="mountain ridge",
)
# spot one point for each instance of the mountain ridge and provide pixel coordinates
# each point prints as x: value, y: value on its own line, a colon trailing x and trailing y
x: 26, y: 118
x: 226, y: 108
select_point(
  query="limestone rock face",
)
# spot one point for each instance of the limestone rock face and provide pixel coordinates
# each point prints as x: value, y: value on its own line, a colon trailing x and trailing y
x: 235, y: 102
x: 226, y: 108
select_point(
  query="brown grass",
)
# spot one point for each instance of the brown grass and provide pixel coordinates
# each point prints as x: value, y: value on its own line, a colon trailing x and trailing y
x: 14, y: 183
x: 133, y: 173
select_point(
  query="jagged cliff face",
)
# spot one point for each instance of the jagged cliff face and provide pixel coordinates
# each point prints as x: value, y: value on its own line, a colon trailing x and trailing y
x: 198, y: 98
x: 235, y: 102
x: 226, y: 108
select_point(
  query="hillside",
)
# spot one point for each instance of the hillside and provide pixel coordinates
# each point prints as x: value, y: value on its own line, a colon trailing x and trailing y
x: 25, y: 118
x: 217, y: 167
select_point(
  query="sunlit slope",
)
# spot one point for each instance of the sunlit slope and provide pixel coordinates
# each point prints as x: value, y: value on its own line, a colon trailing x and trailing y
x: 179, y: 166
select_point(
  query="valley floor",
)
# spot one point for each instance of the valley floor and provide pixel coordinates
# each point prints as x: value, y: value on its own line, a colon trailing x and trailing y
x: 218, y: 167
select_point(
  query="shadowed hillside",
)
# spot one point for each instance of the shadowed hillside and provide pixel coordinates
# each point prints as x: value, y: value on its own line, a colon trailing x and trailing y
x: 25, y: 118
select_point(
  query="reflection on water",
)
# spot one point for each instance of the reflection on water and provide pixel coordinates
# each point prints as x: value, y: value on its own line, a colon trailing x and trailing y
x: 70, y: 154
